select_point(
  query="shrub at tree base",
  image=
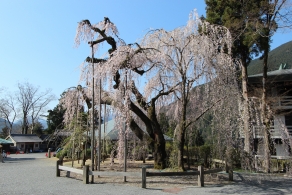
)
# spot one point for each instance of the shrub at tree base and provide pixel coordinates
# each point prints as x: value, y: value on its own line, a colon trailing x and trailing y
x: 205, y: 154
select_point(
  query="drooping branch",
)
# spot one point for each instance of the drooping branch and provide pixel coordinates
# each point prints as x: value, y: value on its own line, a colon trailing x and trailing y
x: 140, y: 99
x: 110, y: 40
x: 138, y: 131
x: 140, y: 113
x: 127, y: 62
x: 164, y: 93
x: 95, y: 60
x: 204, y: 112
x: 86, y: 98
x: 117, y: 80
x: 106, y: 99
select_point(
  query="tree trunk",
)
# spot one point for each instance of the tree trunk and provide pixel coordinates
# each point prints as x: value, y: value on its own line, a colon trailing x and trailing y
x: 265, y: 115
x: 157, y: 141
x: 182, y: 130
x: 24, y: 125
x: 188, y: 152
x: 10, y: 129
x: 247, y: 145
x: 181, y: 143
x: 159, y: 153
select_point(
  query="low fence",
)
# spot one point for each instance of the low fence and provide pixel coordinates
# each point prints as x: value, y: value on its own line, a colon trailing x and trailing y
x: 143, y: 175
x: 200, y: 173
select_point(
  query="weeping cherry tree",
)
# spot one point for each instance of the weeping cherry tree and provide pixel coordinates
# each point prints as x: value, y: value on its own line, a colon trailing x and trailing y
x: 141, y: 78
x: 193, y: 55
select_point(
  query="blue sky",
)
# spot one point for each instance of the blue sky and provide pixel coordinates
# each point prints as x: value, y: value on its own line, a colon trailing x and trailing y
x: 37, y: 37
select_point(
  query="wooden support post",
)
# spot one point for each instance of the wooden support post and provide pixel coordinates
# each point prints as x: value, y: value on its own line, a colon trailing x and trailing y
x: 49, y: 153
x: 86, y: 174
x: 201, y: 176
x: 143, y: 177
x: 230, y: 172
x: 68, y: 174
x: 256, y: 163
x: 59, y: 162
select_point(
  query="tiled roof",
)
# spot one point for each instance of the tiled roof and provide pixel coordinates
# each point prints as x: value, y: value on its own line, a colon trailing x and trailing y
x: 279, y: 58
x: 25, y: 138
x: 275, y: 73
x: 112, y: 132
x: 283, y: 75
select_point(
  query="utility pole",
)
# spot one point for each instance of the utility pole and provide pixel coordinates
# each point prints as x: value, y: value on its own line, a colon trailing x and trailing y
x: 99, y: 128
x: 125, y: 138
x: 103, y: 143
x: 92, y: 117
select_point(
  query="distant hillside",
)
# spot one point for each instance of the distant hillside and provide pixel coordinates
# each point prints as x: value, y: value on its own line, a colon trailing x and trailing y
x: 278, y: 56
x: 18, y: 123
x: 42, y: 121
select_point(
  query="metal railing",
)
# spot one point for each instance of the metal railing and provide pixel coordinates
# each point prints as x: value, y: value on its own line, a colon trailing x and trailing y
x: 275, y: 132
x: 284, y: 102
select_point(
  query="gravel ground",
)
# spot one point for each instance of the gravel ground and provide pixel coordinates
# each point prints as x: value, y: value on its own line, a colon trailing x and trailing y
x: 33, y: 174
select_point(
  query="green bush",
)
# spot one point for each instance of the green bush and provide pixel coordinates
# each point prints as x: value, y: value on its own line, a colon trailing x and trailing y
x: 108, y: 147
x: 140, y: 152
x: 62, y: 153
x: 87, y: 154
x: 193, y: 154
x: 236, y: 157
x: 172, y: 153
x: 205, y: 154
x: 104, y: 156
x: 168, y: 148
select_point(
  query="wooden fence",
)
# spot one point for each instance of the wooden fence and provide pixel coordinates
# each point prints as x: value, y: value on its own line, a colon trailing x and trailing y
x: 144, y: 174
x: 200, y: 173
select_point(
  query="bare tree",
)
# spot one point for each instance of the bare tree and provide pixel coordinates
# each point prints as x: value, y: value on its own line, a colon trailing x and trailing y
x: 32, y: 103
x: 8, y: 111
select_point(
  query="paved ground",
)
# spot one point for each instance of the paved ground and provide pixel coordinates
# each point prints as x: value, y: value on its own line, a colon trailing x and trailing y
x: 34, y: 174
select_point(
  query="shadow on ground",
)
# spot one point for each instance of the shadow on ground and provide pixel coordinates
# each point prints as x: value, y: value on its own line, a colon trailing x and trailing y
x: 257, y: 184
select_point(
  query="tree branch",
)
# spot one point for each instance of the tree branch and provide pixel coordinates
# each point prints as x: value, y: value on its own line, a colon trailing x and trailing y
x: 206, y: 110
x: 138, y: 131
x: 139, y: 96
x: 95, y: 60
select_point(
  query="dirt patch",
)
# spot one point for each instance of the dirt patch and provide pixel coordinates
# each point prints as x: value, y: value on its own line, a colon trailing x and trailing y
x: 172, y: 190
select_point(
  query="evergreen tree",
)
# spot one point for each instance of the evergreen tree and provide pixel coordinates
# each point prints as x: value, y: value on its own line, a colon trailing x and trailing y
x: 167, y: 124
x: 5, y: 132
x: 55, y: 119
x: 274, y: 15
x: 37, y: 129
